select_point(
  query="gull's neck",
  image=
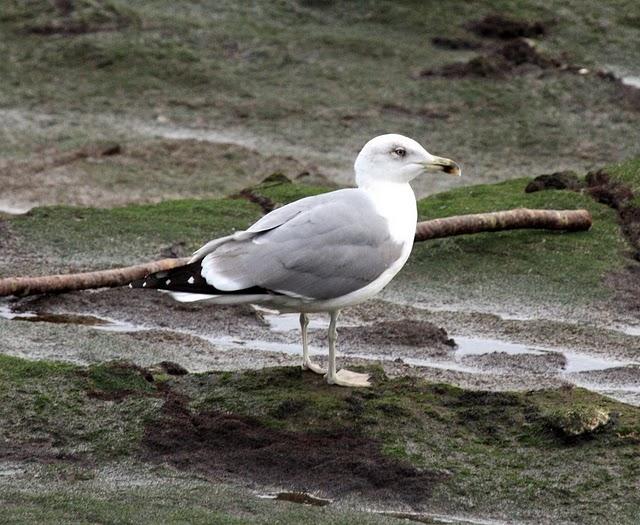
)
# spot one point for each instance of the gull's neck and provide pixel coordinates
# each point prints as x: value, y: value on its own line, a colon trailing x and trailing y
x: 390, y: 194
x: 396, y: 202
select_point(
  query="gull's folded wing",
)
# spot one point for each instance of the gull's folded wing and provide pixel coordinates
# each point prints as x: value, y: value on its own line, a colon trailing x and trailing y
x: 273, y: 219
x: 317, y: 248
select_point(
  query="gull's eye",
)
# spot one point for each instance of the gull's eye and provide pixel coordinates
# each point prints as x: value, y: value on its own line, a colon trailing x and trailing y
x: 400, y: 152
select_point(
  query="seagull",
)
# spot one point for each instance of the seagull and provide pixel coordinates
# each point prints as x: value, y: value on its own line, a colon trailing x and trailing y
x: 317, y: 254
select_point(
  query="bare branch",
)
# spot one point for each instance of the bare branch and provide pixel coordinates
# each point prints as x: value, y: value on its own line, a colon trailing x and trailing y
x: 521, y: 218
x: 21, y: 286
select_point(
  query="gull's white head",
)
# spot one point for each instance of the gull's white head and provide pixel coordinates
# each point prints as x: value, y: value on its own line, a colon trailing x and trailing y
x: 395, y: 158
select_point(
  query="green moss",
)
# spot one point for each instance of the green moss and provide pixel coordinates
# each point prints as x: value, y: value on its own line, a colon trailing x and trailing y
x: 578, y: 421
x: 498, y: 449
x: 628, y: 172
x: 14, y: 369
x: 99, y: 411
x: 117, y: 377
x: 539, y: 266
x: 90, y: 237
x: 280, y: 190
x: 74, y: 237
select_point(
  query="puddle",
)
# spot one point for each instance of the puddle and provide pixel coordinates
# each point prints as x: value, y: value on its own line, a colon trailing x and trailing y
x: 92, y: 321
x: 304, y: 498
x: 432, y: 363
x: 478, y: 346
x: 7, y: 313
x: 85, y: 320
x: 12, y: 209
x: 576, y: 362
x: 425, y: 517
x: 290, y: 322
x: 467, y: 346
x: 230, y: 342
x: 113, y: 325
x: 458, y: 360
x: 629, y: 329
x: 631, y: 81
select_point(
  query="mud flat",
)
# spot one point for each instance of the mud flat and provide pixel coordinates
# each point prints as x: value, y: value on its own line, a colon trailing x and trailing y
x: 401, y: 449
x: 201, y: 338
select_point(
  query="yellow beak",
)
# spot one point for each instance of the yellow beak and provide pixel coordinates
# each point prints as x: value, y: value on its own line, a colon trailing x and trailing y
x: 442, y: 164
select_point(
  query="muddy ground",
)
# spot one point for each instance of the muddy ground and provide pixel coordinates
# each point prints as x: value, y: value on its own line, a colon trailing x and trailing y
x: 206, y: 415
x: 192, y: 409
x: 468, y: 346
x: 474, y: 351
x: 301, y: 90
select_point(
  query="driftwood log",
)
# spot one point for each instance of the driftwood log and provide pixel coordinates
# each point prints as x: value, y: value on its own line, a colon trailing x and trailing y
x: 521, y: 218
x: 567, y: 220
x: 21, y: 286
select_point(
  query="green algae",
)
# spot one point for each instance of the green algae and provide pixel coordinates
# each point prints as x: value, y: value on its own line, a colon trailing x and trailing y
x: 497, y: 451
x: 542, y: 266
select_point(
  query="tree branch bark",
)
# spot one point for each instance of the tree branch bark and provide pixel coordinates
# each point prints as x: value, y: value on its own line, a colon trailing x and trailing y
x: 22, y: 286
x: 521, y: 218
x: 567, y: 220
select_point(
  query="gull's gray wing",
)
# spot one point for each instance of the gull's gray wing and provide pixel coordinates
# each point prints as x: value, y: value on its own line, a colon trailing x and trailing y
x: 271, y: 220
x: 318, y: 248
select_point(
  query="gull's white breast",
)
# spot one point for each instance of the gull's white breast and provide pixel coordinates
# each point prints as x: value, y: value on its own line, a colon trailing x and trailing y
x: 397, y: 204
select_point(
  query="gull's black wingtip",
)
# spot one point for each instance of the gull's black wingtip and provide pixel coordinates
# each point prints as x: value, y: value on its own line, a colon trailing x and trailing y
x: 151, y: 280
x: 139, y: 283
x: 188, y: 278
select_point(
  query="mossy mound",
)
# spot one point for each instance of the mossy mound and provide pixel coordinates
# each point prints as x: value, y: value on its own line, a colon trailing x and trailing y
x: 533, y: 265
x: 66, y: 238
x: 427, y: 444
x: 579, y: 421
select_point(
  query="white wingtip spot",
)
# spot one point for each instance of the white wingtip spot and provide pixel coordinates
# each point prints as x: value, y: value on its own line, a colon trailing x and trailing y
x: 191, y: 280
x: 130, y: 285
x: 144, y: 284
x: 167, y: 282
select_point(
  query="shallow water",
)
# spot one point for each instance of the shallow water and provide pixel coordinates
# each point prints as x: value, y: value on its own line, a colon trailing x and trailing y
x: 629, y: 329
x: 7, y: 313
x: 480, y: 346
x: 576, y: 362
x: 632, y: 81
x: 13, y: 209
x: 92, y: 321
x: 461, y: 359
x: 427, y: 517
x: 290, y: 322
x: 113, y: 325
x: 306, y: 498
